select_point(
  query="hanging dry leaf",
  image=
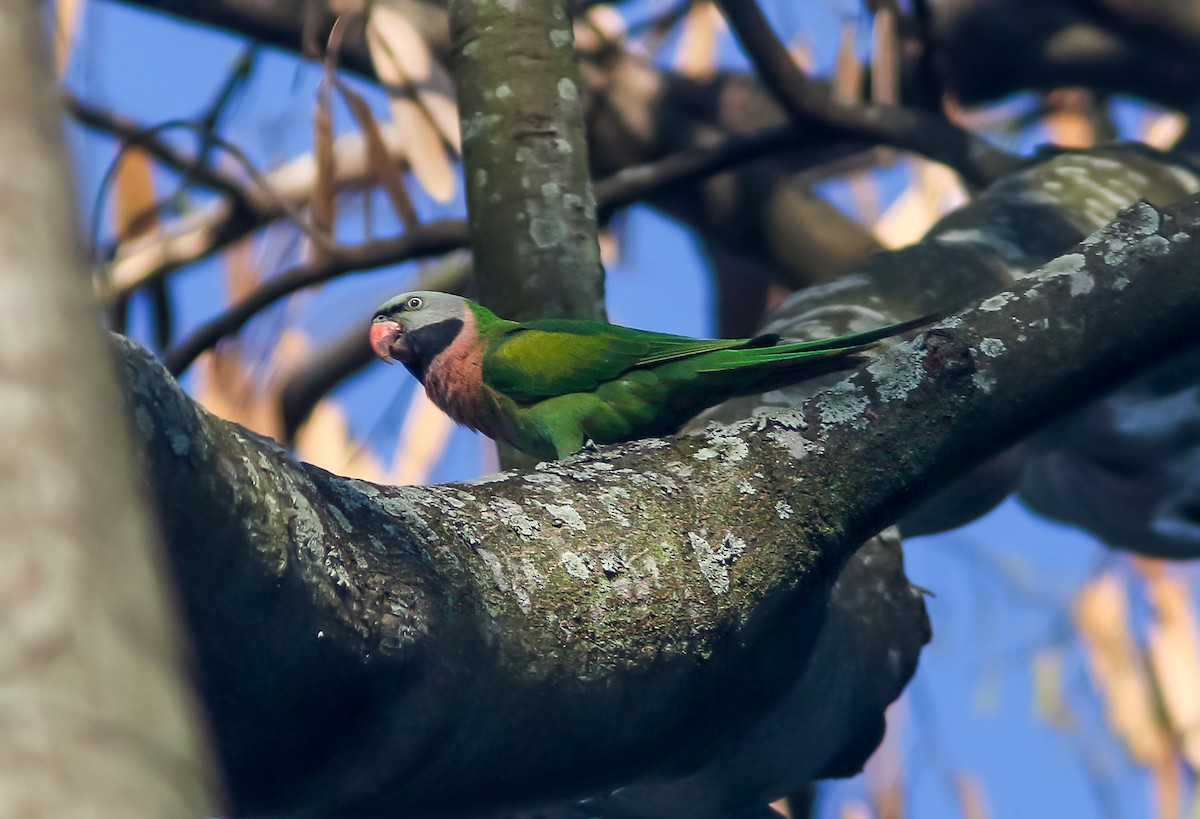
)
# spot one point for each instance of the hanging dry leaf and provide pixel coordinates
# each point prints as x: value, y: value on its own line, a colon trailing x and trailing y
x: 802, y: 54
x: 934, y: 191
x: 421, y: 103
x: 864, y: 190
x: 699, y: 36
x: 1162, y: 130
x: 610, y: 247
x: 385, y: 170
x: 324, y: 440
x: 241, y: 273
x: 971, y: 800
x: 1167, y: 786
x: 245, y: 391
x: 1117, y: 667
x: 885, y: 58
x: 133, y: 196
x: 1175, y: 654
x: 1070, y: 120
x: 855, y: 810
x: 847, y: 68
x: 1048, y: 687
x: 323, y: 207
x: 422, y: 441
x: 885, y: 769
x: 67, y: 17
x: 603, y: 23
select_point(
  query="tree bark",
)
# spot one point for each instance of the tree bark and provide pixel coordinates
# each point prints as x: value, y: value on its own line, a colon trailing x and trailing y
x: 98, y: 717
x: 557, y: 633
x: 525, y: 159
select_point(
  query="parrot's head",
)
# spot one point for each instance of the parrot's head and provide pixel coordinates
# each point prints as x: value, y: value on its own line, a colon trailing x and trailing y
x: 416, y: 324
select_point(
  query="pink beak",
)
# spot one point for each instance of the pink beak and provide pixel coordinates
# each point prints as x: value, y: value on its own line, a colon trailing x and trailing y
x: 387, y: 340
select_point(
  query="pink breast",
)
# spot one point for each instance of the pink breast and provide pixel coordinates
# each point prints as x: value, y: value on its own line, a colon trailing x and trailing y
x: 454, y: 378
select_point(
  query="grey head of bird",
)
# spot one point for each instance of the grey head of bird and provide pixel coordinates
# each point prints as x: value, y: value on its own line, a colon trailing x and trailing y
x: 416, y: 326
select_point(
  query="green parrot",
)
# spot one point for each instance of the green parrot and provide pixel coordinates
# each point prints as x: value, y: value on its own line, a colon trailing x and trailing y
x: 550, y: 386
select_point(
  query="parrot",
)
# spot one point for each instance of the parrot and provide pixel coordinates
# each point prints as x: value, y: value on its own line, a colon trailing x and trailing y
x: 551, y: 387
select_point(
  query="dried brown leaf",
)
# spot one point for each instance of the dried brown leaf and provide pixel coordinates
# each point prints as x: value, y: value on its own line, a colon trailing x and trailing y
x: 935, y: 190
x: 241, y: 273
x: 855, y: 810
x: 1048, y: 687
x: 1175, y: 654
x: 1070, y: 122
x: 324, y: 440
x: 67, y: 16
x: 700, y: 31
x: 847, y: 68
x: 385, y: 169
x: 323, y: 207
x: 422, y: 441
x: 1117, y: 666
x: 133, y: 196
x: 971, y: 800
x: 1163, y: 130
x: 885, y: 58
x: 422, y: 112
x: 885, y: 769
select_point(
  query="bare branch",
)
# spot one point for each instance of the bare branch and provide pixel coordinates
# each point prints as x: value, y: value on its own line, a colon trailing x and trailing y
x: 933, y: 137
x: 429, y: 239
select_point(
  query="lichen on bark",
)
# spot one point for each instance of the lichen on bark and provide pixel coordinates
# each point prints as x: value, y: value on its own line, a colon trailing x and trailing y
x: 525, y: 160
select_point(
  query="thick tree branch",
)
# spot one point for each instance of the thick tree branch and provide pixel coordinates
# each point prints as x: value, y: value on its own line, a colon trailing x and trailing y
x: 615, y: 594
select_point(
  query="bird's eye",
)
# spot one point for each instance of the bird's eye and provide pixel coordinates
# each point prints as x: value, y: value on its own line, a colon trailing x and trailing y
x: 414, y: 303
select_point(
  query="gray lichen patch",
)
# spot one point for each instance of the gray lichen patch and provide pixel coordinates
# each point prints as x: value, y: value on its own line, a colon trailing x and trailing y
x: 1065, y: 265
x: 984, y: 382
x: 493, y: 564
x: 996, y: 303
x: 576, y: 565
x: 842, y: 404
x: 565, y: 515
x: 991, y: 347
x: 513, y: 515
x: 724, y: 444
x: 547, y: 230
x: 714, y: 563
x: 794, y: 443
x: 1082, y: 283
x: 899, y: 372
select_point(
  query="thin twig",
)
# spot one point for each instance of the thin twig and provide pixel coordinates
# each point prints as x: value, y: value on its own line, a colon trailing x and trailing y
x: 429, y: 239
x: 326, y: 368
x: 638, y: 182
x: 979, y: 162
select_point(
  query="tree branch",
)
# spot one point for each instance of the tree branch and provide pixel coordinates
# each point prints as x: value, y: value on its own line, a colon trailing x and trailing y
x: 933, y: 137
x: 429, y: 239
x: 616, y: 595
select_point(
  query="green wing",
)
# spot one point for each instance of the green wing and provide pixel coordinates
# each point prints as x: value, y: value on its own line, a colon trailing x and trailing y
x: 549, y: 357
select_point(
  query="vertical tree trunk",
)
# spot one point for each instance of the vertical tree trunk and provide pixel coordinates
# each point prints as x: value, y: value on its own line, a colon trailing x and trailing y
x: 529, y: 198
x: 96, y: 718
